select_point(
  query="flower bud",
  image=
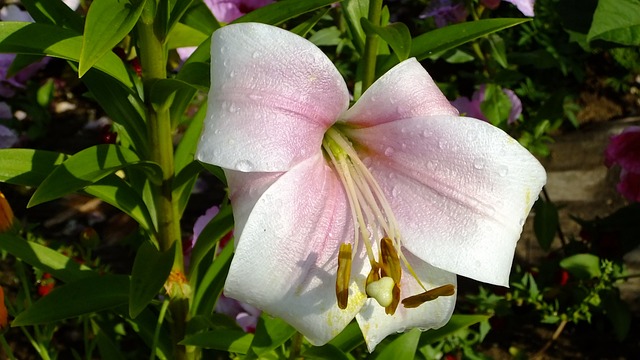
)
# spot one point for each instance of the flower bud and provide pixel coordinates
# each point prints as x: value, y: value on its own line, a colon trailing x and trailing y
x: 6, y: 214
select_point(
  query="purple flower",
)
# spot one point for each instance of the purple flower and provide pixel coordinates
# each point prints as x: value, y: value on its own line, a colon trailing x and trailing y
x: 246, y: 316
x: 471, y: 107
x: 200, y: 224
x: 7, y: 137
x: 525, y: 6
x: 624, y: 150
x: 229, y: 10
x: 8, y: 85
x: 445, y: 12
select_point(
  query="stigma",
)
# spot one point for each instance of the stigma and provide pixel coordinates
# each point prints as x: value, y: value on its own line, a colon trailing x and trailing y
x: 373, y: 219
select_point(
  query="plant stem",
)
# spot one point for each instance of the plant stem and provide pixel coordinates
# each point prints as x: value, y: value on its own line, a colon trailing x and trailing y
x: 296, y: 345
x: 555, y: 337
x: 371, y: 46
x: 153, y: 59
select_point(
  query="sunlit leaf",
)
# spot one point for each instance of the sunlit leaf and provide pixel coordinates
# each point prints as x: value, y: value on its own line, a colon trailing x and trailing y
x: 151, y: 269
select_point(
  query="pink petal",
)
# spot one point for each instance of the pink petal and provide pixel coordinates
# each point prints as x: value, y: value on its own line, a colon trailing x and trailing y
x: 273, y: 95
x: 624, y: 149
x: 376, y: 324
x: 460, y: 188
x: 525, y: 6
x: 285, y: 262
x: 629, y: 185
x: 405, y: 91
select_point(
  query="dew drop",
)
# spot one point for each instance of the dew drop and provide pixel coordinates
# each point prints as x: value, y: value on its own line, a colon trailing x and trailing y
x: 233, y: 108
x: 232, y: 74
x: 521, y: 222
x: 431, y: 165
x: 503, y: 171
x: 244, y: 165
x: 478, y: 165
x: 426, y: 133
x: 394, y: 191
x: 216, y: 131
x: 389, y: 151
x: 256, y: 54
x: 254, y: 97
x: 401, y: 109
x: 225, y: 63
x: 442, y: 144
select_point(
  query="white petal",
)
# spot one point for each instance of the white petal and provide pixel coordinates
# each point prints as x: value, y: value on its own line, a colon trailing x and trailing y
x: 376, y: 324
x: 286, y: 259
x: 273, y: 95
x: 460, y: 189
x: 405, y: 91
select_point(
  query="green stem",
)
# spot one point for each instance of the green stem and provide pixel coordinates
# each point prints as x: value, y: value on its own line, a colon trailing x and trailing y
x: 371, y: 46
x: 296, y: 346
x: 6, y: 348
x: 153, y: 59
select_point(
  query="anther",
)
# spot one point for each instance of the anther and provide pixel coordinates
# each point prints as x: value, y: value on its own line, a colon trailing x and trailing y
x: 343, y: 275
x: 417, y: 300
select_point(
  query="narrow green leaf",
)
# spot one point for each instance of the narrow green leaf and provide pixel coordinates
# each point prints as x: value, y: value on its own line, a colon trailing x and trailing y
x: 107, y: 346
x: 43, y: 39
x: 233, y: 341
x: 456, y: 323
x: 618, y: 313
x: 186, y: 149
x: 354, y: 11
x: 107, y: 23
x: 196, y: 73
x: 349, y: 339
x: 213, y: 232
x: 45, y: 259
x: 282, y: 11
x: 183, y: 184
x: 27, y: 167
x: 199, y: 17
x: 403, y: 347
x: 397, y: 35
x: 85, y: 168
x: 83, y: 296
x: 165, y: 91
x: 161, y: 19
x: 144, y: 325
x: 496, y: 105
x: 582, y: 266
x: 304, y: 27
x: 117, y: 192
x: 323, y: 352
x: 122, y: 105
x: 545, y: 223
x: 54, y: 13
x: 178, y: 10
x: 184, y: 36
x: 498, y: 50
x: 616, y: 21
x: 151, y: 268
x: 329, y: 36
x: 210, y: 286
x: 270, y: 333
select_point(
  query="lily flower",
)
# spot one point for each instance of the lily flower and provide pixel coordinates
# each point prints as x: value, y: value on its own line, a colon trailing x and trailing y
x: 366, y: 212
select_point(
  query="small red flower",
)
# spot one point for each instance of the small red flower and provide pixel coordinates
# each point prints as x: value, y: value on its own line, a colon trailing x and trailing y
x: 564, y: 277
x: 47, y: 283
x: 4, y: 315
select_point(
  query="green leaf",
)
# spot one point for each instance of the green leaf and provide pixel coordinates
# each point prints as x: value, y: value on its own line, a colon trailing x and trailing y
x: 85, y: 168
x: 616, y: 21
x: 213, y: 232
x: 178, y: 10
x: 151, y: 268
x: 282, y: 11
x: 397, y: 35
x: 184, y: 36
x: 83, y: 296
x: 145, y: 325
x: 43, y: 39
x: 496, y: 105
x: 457, y: 322
x: 498, y: 50
x: 329, y: 36
x: 107, y: 23
x: 354, y: 11
x: 45, y: 259
x: 618, y: 313
x: 304, y: 27
x: 107, y: 346
x: 230, y: 340
x: 164, y: 91
x: 196, y: 73
x: 349, y: 339
x: 199, y: 17
x: 323, y: 352
x: 270, y: 333
x: 54, y: 13
x: 117, y: 192
x: 122, y: 105
x: 545, y: 223
x: 27, y: 167
x: 210, y: 287
x: 403, y: 347
x: 582, y: 266
x: 186, y: 149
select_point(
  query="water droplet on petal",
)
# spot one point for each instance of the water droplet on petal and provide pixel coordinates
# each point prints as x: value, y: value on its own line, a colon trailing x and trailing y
x: 426, y: 133
x: 244, y: 165
x: 478, y: 164
x: 233, y: 108
x: 389, y: 151
x: 254, y: 96
x: 232, y: 74
x: 503, y: 171
x: 394, y: 191
x: 431, y: 165
x: 256, y: 54
x: 442, y: 144
x: 521, y: 222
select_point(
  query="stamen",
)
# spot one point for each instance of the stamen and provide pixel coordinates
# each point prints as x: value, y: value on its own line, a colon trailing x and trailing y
x: 417, y: 300
x: 343, y: 275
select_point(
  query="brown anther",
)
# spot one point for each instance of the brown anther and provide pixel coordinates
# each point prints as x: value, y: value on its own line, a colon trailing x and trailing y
x: 417, y: 300
x: 343, y: 275
x: 389, y: 260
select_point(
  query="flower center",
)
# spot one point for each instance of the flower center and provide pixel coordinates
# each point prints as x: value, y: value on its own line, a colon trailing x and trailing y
x: 371, y: 214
